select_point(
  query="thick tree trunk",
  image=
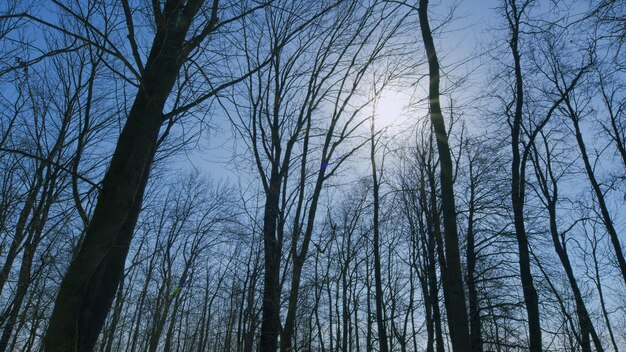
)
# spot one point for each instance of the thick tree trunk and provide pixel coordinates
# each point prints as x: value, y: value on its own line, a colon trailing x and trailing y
x: 271, y: 290
x: 298, y: 264
x: 457, y: 317
x: 89, y: 286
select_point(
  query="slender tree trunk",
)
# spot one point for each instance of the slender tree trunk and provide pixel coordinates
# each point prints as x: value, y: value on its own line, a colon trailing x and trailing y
x: 586, y: 325
x: 434, y: 236
x: 616, y: 131
x: 250, y: 311
x: 169, y: 335
x: 316, y: 310
x: 345, y: 310
x: 22, y: 286
x: 34, y: 233
x: 117, y: 311
x: 378, y: 296
x: 518, y: 191
x: 20, y: 227
x: 140, y: 305
x: 598, y: 284
x: 368, y: 287
x: 28, y: 346
x: 161, y: 312
x: 604, y: 210
x: 457, y: 317
x: 476, y: 344
x: 424, y: 279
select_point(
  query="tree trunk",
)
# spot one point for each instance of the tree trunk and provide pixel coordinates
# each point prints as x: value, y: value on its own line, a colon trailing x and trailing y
x: 457, y: 317
x: 89, y: 286
x: 586, y: 325
x: 271, y: 290
x: 598, y: 284
x: 518, y: 190
x: 20, y: 227
x: 604, y: 210
x: 433, y: 245
x: 476, y: 344
x: 378, y: 296
x: 22, y: 286
x: 115, y: 319
x: 34, y: 232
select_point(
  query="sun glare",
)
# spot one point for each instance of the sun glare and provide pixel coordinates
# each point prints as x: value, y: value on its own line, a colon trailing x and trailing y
x: 391, y: 108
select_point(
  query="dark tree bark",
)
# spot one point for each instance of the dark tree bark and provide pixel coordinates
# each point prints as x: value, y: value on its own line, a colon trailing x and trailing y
x: 476, y: 344
x: 268, y: 135
x: 548, y: 184
x: 422, y: 246
x: 434, y: 250
x: 597, y: 281
x: 107, y: 346
x: 22, y: 222
x: 34, y: 238
x: 518, y: 182
x: 89, y: 286
x: 600, y: 198
x: 457, y: 317
x: 615, y: 111
x: 378, y: 295
x: 271, y: 289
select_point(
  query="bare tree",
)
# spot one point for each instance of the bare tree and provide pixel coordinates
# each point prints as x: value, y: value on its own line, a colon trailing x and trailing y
x: 456, y: 308
x: 548, y: 182
x: 88, y: 288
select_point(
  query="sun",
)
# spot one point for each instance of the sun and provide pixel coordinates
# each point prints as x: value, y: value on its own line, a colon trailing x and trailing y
x: 391, y: 108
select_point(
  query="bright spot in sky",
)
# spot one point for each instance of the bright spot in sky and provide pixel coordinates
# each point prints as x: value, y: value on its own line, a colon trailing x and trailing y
x: 391, y: 108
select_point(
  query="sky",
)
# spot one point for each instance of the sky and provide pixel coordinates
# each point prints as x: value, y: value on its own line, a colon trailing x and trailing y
x: 464, y: 45
x: 466, y: 38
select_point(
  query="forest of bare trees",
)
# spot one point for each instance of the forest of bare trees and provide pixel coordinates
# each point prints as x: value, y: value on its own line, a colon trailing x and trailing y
x: 297, y: 175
